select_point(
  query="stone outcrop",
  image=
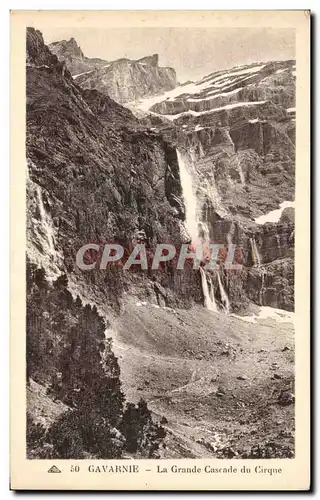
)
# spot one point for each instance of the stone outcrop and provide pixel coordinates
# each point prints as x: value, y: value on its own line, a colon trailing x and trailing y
x: 266, y: 279
x: 126, y: 80
x: 123, y: 80
x: 272, y: 284
x: 70, y: 52
x: 36, y: 52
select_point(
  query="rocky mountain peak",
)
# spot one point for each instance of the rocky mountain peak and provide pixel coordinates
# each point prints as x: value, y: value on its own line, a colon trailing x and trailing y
x: 36, y: 51
x: 72, y: 42
x: 123, y: 79
x: 150, y: 60
x: 66, y: 49
x: 126, y: 80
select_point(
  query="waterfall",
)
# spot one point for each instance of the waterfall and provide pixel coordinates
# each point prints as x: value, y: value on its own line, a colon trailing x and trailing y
x: 209, y: 300
x: 224, y: 296
x: 203, y: 231
x: 235, y: 162
x: 241, y: 174
x: 262, y: 289
x: 212, y: 298
x: 189, y: 197
x: 199, y: 230
x: 255, y: 253
x: 41, y: 234
x: 230, y: 233
x: 46, y: 223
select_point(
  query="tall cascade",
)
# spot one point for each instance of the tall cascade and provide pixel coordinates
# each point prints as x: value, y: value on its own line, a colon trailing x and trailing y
x: 255, y: 253
x: 41, y: 237
x: 190, y: 199
x: 224, y: 296
x: 209, y: 300
x: 46, y: 223
x: 241, y: 174
x: 199, y: 232
x: 262, y: 289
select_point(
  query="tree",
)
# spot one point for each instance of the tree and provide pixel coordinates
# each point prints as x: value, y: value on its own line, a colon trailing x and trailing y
x: 142, y: 435
x: 66, y: 347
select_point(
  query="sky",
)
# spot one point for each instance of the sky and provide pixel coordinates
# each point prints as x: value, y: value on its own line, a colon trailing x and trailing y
x: 192, y: 52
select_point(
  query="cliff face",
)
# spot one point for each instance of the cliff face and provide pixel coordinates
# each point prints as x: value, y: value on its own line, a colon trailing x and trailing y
x: 80, y: 172
x: 247, y: 84
x: 236, y: 131
x: 97, y: 175
x: 123, y: 80
x: 126, y: 80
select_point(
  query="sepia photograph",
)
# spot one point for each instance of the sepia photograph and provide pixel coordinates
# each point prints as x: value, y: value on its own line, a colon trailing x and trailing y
x: 124, y: 149
x: 160, y: 260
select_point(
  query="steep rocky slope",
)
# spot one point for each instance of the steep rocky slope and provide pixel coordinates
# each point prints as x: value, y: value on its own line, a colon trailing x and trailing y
x: 123, y: 80
x: 241, y: 124
x: 98, y: 173
x: 75, y: 405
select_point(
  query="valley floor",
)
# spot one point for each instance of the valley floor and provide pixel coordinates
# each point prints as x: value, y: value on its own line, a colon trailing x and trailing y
x: 223, y: 385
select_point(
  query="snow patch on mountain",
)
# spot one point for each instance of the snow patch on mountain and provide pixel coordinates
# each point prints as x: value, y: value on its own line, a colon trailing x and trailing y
x: 227, y: 107
x: 274, y: 215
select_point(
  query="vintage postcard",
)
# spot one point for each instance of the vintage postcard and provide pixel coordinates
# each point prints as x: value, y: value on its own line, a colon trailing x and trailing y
x: 160, y: 229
